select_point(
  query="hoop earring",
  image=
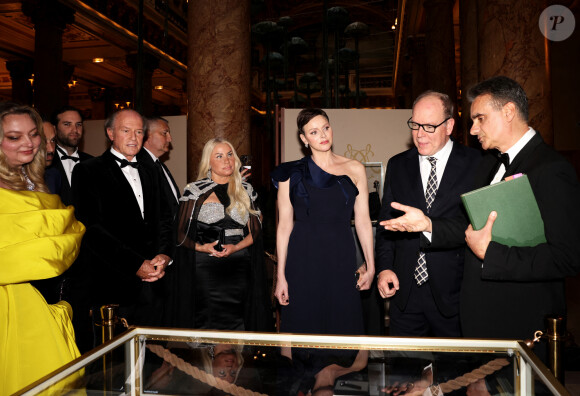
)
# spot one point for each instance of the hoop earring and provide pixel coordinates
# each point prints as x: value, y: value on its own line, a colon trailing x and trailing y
x: 209, y: 173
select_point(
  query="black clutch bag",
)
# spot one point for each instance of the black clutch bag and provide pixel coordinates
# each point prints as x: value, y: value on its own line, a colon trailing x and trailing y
x: 207, y: 233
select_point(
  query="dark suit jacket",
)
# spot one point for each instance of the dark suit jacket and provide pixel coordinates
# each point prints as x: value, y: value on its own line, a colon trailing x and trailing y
x: 65, y: 189
x: 168, y: 198
x: 518, y: 286
x: 118, y: 239
x: 53, y: 179
x: 398, y: 251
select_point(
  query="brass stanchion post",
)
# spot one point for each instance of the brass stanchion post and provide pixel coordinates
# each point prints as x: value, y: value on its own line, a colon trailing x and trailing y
x: 108, y: 321
x: 555, y: 333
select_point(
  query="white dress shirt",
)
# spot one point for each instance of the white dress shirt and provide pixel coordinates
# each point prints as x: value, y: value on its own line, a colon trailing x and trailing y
x: 132, y: 175
x: 512, y: 152
x: 442, y: 157
x: 67, y: 164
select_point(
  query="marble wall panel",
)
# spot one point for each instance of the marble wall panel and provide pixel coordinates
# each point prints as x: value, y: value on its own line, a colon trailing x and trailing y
x: 511, y: 44
x: 218, y: 76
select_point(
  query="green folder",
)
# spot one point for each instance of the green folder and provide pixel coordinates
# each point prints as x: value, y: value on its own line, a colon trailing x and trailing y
x: 518, y: 222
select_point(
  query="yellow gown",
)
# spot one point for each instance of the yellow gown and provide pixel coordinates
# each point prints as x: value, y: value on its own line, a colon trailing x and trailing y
x: 39, y: 238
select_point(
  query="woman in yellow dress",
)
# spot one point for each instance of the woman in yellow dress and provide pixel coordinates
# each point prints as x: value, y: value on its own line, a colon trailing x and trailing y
x: 39, y: 238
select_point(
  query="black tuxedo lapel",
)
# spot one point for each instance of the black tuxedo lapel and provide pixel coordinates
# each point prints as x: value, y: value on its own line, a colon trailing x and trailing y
x: 413, y: 179
x: 523, y: 155
x: 57, y: 163
x: 453, y: 169
x: 118, y: 179
x: 148, y: 195
x: 65, y: 187
x: 171, y: 178
x: 155, y: 170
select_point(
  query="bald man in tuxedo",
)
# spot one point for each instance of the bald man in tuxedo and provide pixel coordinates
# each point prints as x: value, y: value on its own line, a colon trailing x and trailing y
x: 128, y: 243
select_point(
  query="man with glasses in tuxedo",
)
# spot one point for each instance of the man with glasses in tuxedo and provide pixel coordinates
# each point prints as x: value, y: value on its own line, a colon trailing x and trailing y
x: 424, y: 284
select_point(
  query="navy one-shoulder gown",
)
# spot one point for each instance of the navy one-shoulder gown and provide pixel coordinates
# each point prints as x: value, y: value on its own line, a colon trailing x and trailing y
x: 321, y: 260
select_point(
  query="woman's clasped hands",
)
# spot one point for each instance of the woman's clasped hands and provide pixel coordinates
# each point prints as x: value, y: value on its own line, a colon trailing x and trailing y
x: 209, y: 248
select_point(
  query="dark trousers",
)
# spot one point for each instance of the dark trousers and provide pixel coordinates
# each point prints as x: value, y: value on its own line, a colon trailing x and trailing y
x: 421, y: 317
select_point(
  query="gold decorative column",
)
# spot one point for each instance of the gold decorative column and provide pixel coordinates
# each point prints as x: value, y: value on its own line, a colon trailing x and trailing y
x: 218, y: 82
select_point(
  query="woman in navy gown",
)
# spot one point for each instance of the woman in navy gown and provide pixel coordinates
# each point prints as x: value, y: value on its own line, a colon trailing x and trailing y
x: 316, y: 283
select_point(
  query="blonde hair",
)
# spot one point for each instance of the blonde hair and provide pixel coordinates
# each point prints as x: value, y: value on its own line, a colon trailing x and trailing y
x: 14, y: 178
x: 239, y: 198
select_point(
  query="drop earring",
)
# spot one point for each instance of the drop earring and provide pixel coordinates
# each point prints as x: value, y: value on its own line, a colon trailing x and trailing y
x: 306, y: 145
x: 209, y: 173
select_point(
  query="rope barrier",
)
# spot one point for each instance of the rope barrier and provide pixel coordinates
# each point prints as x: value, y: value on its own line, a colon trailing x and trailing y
x: 235, y: 390
x: 200, y: 375
x: 474, y: 376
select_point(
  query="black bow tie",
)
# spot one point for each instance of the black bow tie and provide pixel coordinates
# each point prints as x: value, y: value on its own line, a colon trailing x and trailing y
x: 123, y: 162
x: 64, y: 156
x: 504, y: 159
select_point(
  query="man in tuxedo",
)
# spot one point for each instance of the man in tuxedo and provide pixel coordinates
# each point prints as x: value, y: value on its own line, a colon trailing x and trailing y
x: 508, y: 291
x: 68, y: 123
x: 424, y: 284
x: 157, y: 143
x: 128, y: 242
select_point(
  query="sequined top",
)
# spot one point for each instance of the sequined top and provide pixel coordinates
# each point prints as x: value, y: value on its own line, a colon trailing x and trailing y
x: 29, y: 184
x: 211, y: 212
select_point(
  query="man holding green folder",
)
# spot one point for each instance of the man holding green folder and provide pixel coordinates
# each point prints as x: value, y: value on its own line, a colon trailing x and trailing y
x: 507, y: 290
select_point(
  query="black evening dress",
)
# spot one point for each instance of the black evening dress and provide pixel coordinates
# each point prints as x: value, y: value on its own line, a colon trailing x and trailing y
x: 221, y: 284
x: 321, y: 258
x: 206, y: 292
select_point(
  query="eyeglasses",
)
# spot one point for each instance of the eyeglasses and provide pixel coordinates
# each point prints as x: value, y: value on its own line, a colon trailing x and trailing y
x: 426, y: 127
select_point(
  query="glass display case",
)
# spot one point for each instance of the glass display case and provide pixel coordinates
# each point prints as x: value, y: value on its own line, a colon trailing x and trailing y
x: 181, y: 362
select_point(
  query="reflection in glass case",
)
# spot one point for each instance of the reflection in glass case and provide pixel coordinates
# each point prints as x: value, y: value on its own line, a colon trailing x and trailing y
x: 375, y: 179
x: 375, y: 176
x: 180, y: 362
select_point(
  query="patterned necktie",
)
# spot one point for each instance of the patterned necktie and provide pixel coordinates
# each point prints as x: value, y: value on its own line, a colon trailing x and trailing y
x: 420, y: 273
